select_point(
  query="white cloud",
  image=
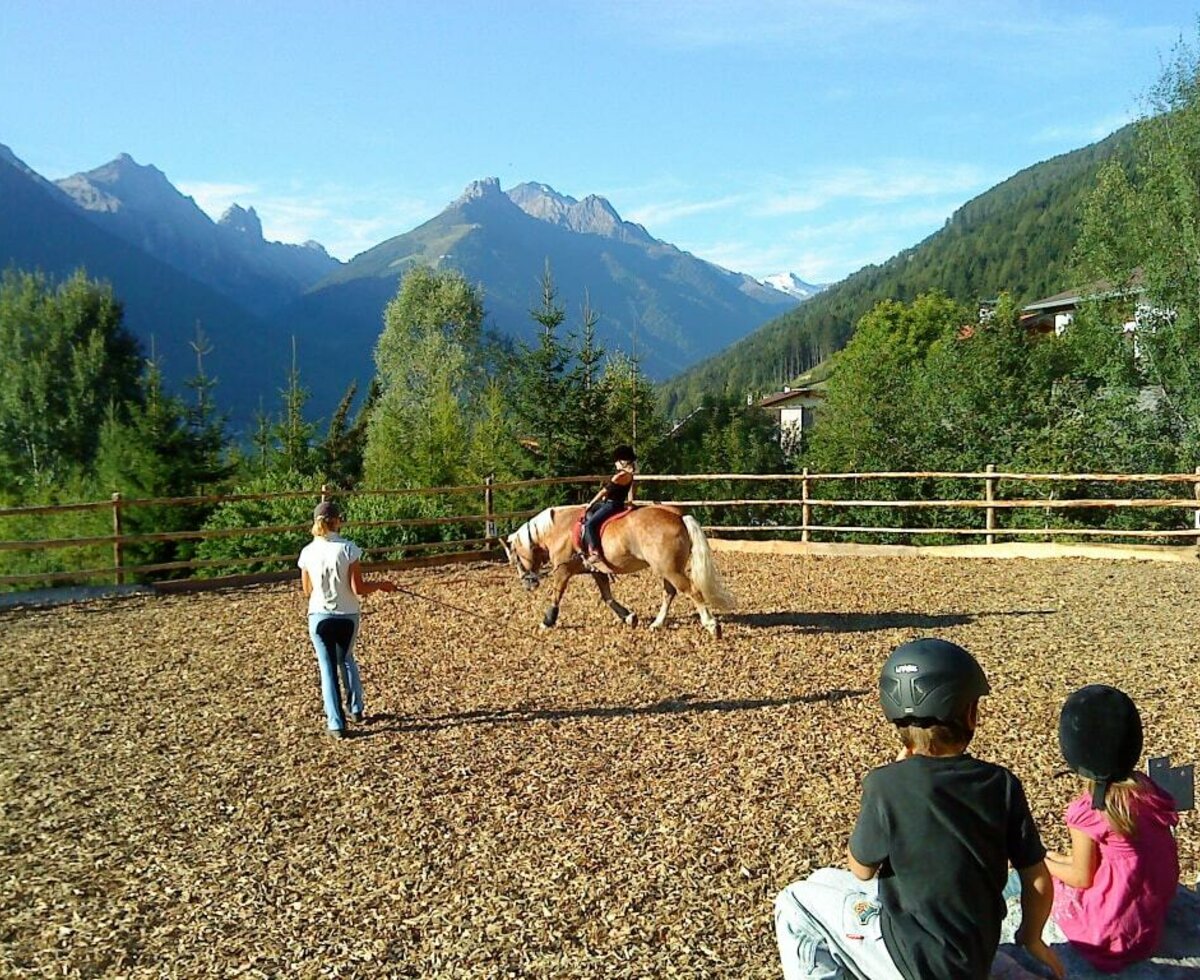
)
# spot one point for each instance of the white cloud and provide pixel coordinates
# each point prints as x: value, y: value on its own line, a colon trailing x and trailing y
x: 665, y: 212
x: 345, y: 220
x: 891, y: 182
x: 829, y: 250
x: 213, y: 197
x: 1081, y: 132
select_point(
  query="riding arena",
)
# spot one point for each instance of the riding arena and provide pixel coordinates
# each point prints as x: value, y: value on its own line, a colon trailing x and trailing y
x: 592, y: 800
x: 596, y: 799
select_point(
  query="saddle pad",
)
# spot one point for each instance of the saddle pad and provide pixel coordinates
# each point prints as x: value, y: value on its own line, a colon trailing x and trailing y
x: 577, y: 529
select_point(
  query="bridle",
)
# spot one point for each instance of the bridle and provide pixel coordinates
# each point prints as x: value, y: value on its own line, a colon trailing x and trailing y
x: 529, y: 578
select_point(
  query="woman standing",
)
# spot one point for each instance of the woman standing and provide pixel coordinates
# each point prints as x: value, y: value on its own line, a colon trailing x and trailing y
x: 331, y: 577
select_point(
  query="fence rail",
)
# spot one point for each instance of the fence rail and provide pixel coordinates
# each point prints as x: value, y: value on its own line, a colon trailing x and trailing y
x: 488, y: 519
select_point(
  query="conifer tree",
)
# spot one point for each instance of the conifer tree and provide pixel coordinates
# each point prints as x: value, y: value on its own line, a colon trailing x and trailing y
x: 542, y: 391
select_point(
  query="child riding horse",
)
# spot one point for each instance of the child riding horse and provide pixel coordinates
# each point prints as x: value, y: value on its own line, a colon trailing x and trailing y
x: 614, y: 496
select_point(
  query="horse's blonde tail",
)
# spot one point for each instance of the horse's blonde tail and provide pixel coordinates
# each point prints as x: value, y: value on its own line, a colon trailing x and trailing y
x: 703, y: 571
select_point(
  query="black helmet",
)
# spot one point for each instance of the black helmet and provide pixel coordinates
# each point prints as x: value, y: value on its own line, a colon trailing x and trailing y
x: 624, y: 454
x: 1100, y: 734
x: 930, y: 679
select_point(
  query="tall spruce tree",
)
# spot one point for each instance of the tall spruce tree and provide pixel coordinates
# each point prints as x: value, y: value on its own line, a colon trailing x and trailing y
x: 542, y: 391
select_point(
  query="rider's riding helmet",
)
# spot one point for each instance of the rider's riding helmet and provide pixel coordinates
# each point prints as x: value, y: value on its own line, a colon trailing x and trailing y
x: 930, y: 680
x: 1100, y: 734
x: 624, y: 454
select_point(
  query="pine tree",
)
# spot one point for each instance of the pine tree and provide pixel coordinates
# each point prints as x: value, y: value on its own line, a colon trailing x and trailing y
x: 541, y: 389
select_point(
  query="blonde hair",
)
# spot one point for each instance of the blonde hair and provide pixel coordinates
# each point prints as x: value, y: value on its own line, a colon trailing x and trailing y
x: 322, y: 526
x: 1120, y: 804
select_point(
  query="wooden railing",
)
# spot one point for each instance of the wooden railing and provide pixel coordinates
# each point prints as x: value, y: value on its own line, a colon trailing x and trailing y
x: 488, y: 520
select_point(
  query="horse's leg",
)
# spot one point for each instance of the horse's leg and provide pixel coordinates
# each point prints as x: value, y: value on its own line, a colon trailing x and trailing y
x: 669, y: 592
x: 683, y: 584
x: 562, y: 575
x: 623, y: 614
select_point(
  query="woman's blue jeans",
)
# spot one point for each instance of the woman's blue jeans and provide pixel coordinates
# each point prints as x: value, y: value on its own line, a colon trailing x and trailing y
x: 332, y: 637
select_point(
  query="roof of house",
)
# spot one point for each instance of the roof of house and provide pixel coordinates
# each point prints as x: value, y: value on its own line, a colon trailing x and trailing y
x: 1071, y: 298
x: 782, y: 398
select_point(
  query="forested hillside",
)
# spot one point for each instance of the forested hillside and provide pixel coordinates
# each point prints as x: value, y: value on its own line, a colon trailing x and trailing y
x: 1016, y: 237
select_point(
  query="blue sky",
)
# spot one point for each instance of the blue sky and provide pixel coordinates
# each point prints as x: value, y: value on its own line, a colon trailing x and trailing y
x: 764, y: 135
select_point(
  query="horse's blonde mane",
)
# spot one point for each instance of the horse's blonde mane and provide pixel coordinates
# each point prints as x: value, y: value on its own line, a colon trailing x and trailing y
x: 536, y: 527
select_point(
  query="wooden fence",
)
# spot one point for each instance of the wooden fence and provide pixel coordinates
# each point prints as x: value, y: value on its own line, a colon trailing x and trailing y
x: 488, y: 521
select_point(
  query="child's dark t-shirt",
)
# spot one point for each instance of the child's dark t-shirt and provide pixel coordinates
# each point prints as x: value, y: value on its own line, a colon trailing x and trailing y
x: 944, y: 830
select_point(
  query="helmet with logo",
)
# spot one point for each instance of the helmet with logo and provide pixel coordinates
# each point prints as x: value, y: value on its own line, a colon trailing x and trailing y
x: 1100, y: 734
x: 930, y: 680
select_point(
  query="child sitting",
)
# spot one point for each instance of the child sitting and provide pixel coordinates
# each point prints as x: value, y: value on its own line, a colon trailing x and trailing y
x: 615, y: 495
x: 1112, y: 890
x: 930, y: 851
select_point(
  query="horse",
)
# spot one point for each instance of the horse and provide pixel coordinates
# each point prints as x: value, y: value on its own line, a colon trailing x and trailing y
x: 657, y: 537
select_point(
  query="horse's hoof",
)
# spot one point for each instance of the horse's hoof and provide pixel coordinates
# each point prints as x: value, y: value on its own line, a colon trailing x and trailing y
x: 715, y: 630
x: 631, y: 619
x: 657, y: 625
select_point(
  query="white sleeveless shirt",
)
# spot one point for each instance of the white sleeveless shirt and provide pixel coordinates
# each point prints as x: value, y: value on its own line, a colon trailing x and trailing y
x: 327, y: 561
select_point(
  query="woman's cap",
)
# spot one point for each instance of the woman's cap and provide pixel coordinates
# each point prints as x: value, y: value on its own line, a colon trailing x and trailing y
x: 930, y: 680
x: 1100, y: 734
x: 624, y: 454
x: 326, y: 509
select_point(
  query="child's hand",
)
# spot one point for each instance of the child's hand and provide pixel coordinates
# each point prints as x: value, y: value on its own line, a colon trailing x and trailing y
x: 1043, y: 953
x: 904, y: 753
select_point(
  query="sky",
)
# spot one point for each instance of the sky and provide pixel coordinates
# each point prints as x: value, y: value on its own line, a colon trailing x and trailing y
x: 767, y: 136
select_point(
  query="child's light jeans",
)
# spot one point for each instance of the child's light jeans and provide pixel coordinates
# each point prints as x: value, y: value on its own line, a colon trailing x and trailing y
x: 828, y: 926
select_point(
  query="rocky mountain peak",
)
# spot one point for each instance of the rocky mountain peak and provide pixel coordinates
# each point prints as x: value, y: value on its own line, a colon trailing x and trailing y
x: 480, y: 190
x: 123, y: 184
x: 242, y: 220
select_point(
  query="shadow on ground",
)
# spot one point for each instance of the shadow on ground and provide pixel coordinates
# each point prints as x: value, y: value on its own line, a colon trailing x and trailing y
x: 867, y: 622
x: 681, y: 704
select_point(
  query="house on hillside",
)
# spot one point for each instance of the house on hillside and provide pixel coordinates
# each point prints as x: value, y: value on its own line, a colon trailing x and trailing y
x: 796, y: 410
x: 1055, y: 313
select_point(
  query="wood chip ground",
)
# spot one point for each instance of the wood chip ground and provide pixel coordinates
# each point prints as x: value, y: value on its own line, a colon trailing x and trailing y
x: 596, y: 801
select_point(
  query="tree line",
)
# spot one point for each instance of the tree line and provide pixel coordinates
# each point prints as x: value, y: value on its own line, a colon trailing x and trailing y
x: 84, y: 413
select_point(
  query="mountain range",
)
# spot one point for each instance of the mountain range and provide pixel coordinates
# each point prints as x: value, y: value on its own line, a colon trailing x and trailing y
x: 178, y: 272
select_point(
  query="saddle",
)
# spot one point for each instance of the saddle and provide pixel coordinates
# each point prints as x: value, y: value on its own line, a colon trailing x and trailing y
x: 577, y: 530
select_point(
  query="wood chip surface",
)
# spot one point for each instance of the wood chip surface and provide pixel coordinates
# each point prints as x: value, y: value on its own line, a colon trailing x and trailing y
x: 593, y: 801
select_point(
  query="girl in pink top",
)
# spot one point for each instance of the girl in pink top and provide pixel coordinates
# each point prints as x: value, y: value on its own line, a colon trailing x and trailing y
x: 1112, y: 890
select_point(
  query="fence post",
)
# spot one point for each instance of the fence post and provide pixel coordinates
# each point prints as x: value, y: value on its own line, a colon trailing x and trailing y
x: 1196, y: 518
x: 489, y: 526
x: 118, y: 550
x: 324, y: 492
x: 989, y: 495
x: 805, y: 509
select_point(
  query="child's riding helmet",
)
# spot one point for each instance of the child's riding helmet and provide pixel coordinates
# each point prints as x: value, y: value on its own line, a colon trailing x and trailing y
x: 1100, y: 734
x: 930, y: 680
x: 624, y: 454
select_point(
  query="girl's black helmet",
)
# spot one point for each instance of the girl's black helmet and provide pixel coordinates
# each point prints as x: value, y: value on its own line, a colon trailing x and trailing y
x: 1100, y: 734
x: 624, y: 454
x: 930, y: 680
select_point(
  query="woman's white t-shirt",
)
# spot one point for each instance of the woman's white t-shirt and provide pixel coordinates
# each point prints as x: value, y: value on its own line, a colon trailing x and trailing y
x: 327, y: 561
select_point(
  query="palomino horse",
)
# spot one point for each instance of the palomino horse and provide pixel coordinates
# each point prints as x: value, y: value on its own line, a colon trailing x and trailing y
x: 671, y: 545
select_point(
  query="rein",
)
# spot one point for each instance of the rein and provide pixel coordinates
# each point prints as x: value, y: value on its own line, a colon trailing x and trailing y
x: 458, y: 609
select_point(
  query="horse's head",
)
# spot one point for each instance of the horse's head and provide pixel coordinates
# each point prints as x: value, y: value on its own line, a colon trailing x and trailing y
x: 526, y: 553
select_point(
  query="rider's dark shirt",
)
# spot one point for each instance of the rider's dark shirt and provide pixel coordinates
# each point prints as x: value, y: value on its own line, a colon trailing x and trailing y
x: 617, y: 492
